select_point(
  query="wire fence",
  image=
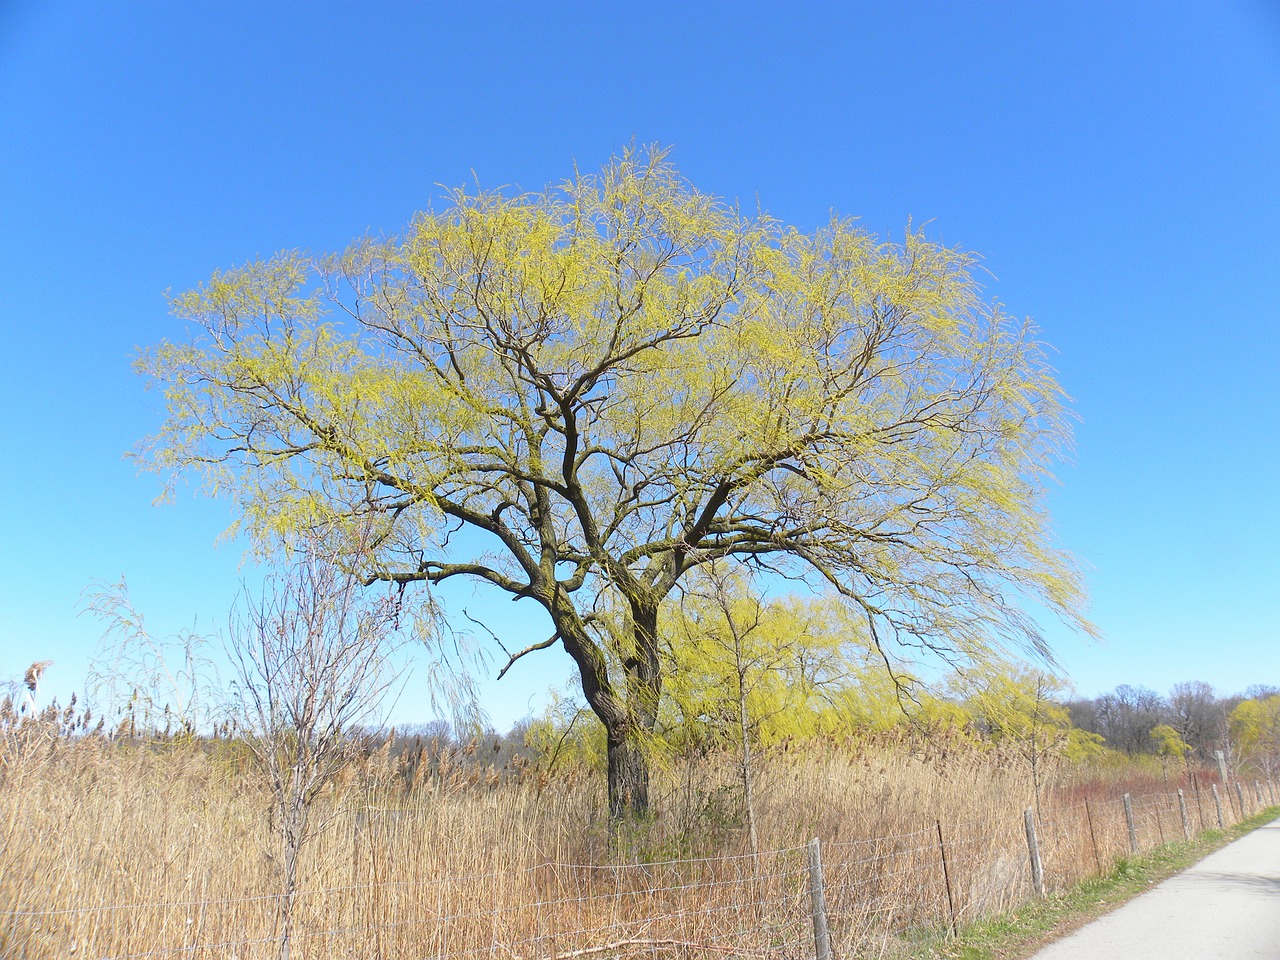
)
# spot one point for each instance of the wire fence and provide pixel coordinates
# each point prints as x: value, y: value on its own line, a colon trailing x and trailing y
x: 842, y: 897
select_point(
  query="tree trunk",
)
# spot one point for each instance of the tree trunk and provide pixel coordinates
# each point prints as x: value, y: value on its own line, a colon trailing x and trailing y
x: 744, y: 727
x: 293, y: 831
x: 628, y: 774
x: 628, y: 718
x: 628, y: 757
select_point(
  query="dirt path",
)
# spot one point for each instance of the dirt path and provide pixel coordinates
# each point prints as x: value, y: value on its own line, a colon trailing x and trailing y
x: 1226, y: 906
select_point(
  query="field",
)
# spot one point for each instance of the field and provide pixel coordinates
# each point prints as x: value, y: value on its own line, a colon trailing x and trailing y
x: 123, y: 848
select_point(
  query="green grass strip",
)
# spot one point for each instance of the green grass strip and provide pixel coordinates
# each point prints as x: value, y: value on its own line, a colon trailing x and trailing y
x: 1023, y: 931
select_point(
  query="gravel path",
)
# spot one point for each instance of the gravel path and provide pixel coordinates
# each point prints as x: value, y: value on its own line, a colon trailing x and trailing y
x: 1226, y: 906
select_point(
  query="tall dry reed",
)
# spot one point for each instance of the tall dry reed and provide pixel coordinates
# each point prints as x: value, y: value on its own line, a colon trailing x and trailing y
x: 123, y: 848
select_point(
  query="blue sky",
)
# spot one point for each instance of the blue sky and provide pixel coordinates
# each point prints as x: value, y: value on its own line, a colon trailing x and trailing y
x: 1117, y: 164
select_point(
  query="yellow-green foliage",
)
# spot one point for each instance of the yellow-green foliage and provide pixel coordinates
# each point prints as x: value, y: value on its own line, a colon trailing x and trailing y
x: 729, y: 650
x: 1255, y: 725
x: 873, y: 700
x: 1018, y: 706
x: 565, y: 735
x: 1169, y: 742
x: 612, y: 383
x: 806, y: 680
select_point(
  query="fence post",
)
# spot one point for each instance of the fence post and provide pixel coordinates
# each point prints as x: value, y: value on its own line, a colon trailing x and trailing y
x: 946, y: 879
x: 1182, y: 808
x: 1240, y: 797
x: 1133, y: 830
x: 1217, y: 800
x: 1033, y: 847
x: 818, y: 902
x: 1195, y: 786
x: 1257, y: 792
x: 1097, y: 860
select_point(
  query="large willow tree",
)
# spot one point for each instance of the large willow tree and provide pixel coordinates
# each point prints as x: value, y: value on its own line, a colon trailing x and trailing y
x: 580, y: 396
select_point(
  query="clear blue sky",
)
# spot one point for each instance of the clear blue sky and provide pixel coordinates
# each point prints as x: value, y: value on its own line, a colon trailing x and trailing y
x: 1117, y: 164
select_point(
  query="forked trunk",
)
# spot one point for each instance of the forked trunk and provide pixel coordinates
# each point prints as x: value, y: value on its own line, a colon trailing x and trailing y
x: 628, y: 714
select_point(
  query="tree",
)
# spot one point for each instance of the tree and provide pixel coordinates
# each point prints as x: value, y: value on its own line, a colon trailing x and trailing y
x: 1170, y: 743
x: 1127, y: 715
x: 310, y: 659
x: 148, y: 683
x: 738, y: 662
x: 579, y: 396
x: 1197, y: 716
x: 1018, y: 707
x: 1255, y: 727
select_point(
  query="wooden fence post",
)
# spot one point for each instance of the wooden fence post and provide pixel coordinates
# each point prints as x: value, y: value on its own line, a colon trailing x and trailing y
x: 1133, y: 830
x: 1033, y: 847
x: 1217, y: 800
x: 1097, y: 860
x: 1240, y: 797
x: 818, y: 902
x: 1195, y: 786
x: 1182, y: 808
x: 946, y: 879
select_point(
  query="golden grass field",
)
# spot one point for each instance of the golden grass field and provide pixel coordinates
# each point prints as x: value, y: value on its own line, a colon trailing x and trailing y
x: 123, y: 848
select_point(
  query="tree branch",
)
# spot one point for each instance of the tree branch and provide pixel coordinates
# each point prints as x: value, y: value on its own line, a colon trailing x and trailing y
x: 529, y: 649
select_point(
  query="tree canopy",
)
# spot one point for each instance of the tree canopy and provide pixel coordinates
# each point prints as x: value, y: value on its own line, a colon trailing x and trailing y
x: 578, y: 396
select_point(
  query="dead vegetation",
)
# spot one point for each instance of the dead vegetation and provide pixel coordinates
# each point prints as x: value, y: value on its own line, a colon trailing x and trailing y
x: 123, y: 847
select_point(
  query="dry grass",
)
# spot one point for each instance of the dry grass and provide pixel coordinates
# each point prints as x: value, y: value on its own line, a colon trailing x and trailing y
x: 127, y: 849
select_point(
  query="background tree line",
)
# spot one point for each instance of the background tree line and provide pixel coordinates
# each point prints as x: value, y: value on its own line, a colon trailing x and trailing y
x: 1193, y: 719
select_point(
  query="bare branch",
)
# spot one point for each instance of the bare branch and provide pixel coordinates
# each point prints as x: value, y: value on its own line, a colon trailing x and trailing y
x: 529, y: 649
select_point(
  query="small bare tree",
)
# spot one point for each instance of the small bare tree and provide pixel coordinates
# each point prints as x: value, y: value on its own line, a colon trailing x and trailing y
x: 310, y: 658
x: 149, y: 684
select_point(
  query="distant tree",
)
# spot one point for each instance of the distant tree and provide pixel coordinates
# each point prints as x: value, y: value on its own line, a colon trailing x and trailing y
x: 1197, y: 716
x: 1127, y: 715
x: 580, y: 396
x: 1170, y: 743
x: 437, y: 731
x: 1260, y: 691
x: 1255, y: 728
x: 1085, y: 716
